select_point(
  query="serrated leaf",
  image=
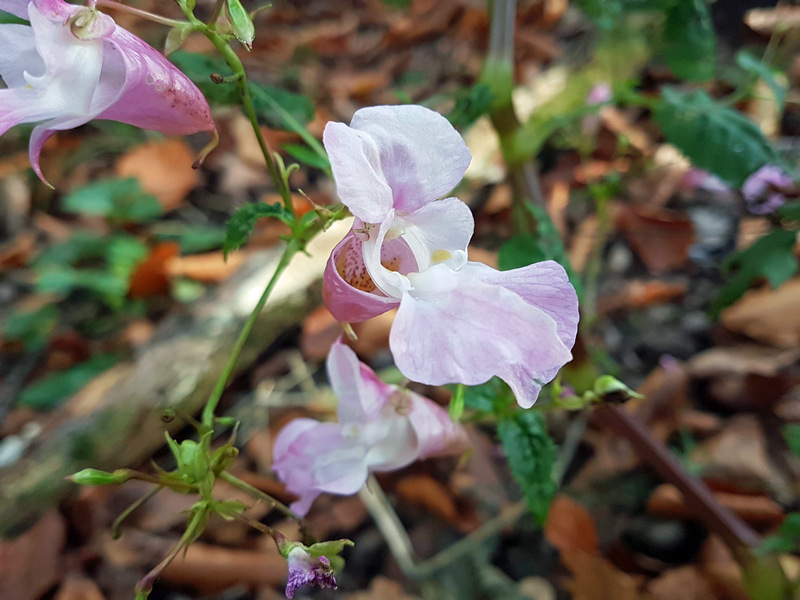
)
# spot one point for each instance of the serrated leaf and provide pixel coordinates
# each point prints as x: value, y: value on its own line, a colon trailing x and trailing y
x: 689, y: 40
x: 713, y: 137
x: 758, y: 68
x: 531, y: 455
x: 771, y: 257
x: 120, y: 200
x: 53, y: 389
x: 241, y: 224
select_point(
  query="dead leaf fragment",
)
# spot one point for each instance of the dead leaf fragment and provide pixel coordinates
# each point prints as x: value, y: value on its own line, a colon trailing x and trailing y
x: 768, y: 315
x: 570, y: 526
x: 78, y: 587
x: 595, y: 578
x: 163, y: 168
x: 686, y: 583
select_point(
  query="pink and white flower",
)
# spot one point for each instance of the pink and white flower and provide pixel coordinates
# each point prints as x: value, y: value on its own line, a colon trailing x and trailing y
x: 458, y: 321
x: 765, y: 190
x: 308, y: 570
x: 381, y: 428
x: 74, y: 64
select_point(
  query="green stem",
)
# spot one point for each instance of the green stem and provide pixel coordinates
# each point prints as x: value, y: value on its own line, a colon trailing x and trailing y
x: 292, y: 247
x: 259, y: 495
x: 115, y: 527
x: 212, y: 20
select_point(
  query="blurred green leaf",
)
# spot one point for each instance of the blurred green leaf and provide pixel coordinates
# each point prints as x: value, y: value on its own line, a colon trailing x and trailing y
x: 713, y: 137
x: 192, y: 238
x: 689, y: 40
x: 787, y: 539
x: 241, y: 224
x: 771, y: 257
x: 198, y: 68
x: 493, y: 397
x: 791, y: 433
x: 31, y: 328
x: 81, y: 246
x: 608, y: 13
x: 470, y: 105
x: 531, y: 455
x: 53, y: 389
x: 758, y: 68
x: 9, y: 18
x: 66, y: 280
x: 120, y: 200
x: 308, y: 156
x: 790, y: 210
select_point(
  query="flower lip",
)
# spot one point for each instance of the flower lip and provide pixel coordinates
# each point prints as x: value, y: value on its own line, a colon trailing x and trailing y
x: 305, y: 569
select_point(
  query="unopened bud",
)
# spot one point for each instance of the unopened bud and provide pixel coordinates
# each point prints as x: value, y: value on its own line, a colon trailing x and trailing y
x: 96, y: 477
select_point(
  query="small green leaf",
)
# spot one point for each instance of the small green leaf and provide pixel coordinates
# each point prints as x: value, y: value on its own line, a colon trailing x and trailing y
x: 241, y: 224
x: 470, y: 105
x: 487, y: 397
x: 770, y: 257
x: 53, y: 389
x: 31, y: 328
x: 713, y: 137
x: 689, y: 40
x: 759, y: 69
x: 120, y: 200
x: 791, y: 433
x: 243, y: 27
x: 273, y: 104
x: 531, y: 455
x: 176, y: 37
x: 192, y: 238
x: 520, y: 251
x: 787, y: 539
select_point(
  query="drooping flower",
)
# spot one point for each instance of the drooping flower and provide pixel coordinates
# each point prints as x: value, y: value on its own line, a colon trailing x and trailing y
x: 381, y: 428
x: 74, y: 64
x: 458, y: 321
x: 764, y: 190
x: 305, y: 569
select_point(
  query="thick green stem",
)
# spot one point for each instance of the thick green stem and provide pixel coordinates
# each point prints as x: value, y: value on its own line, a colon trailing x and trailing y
x: 211, y: 405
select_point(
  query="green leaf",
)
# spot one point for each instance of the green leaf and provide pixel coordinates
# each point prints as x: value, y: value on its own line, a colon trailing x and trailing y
x: 712, y: 136
x: 192, y: 238
x: 761, y: 70
x: 787, y: 539
x: 244, y: 220
x: 531, y: 455
x: 31, y: 328
x: 198, y: 68
x: 770, y: 257
x: 273, y: 104
x: 53, y: 389
x: 790, y: 210
x: 470, y: 104
x: 120, y: 200
x: 9, y: 18
x: 791, y: 433
x: 176, y: 37
x: 66, y: 280
x: 520, y: 251
x: 81, y: 246
x: 308, y: 156
x: 689, y: 40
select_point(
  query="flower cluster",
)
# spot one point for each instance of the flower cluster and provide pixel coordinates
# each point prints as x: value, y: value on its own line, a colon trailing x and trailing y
x: 74, y: 64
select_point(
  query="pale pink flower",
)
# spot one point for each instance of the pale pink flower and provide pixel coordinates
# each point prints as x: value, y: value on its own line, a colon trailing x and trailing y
x: 458, y: 321
x: 381, y: 428
x: 74, y: 64
x: 764, y: 189
x: 599, y: 94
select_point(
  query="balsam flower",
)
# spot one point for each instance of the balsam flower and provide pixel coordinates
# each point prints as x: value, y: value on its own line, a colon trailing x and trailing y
x: 458, y: 321
x: 381, y: 428
x: 305, y: 569
x: 74, y: 64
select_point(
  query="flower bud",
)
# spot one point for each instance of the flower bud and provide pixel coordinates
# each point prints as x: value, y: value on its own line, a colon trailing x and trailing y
x: 96, y: 477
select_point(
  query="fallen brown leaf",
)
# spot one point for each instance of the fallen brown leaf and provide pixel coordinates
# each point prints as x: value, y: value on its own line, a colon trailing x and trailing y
x: 151, y: 278
x: 595, y: 578
x: 210, y: 267
x: 660, y: 238
x: 423, y: 490
x: 570, y: 526
x: 768, y: 315
x: 78, y: 587
x: 686, y: 583
x: 163, y: 168
x: 31, y: 564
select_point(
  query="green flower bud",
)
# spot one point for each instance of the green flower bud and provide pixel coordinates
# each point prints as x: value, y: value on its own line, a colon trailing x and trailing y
x: 241, y: 23
x: 96, y: 477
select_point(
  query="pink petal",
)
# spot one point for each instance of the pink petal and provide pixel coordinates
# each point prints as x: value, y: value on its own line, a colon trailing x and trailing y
x: 394, y: 156
x: 154, y: 93
x: 361, y: 394
x: 456, y: 328
x: 19, y: 54
x: 347, y: 303
x: 18, y: 8
x: 437, y: 434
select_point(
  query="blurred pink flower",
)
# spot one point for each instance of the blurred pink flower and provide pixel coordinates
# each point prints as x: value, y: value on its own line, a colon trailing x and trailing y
x: 599, y: 94
x: 458, y: 321
x: 764, y: 189
x: 74, y: 64
x: 381, y: 428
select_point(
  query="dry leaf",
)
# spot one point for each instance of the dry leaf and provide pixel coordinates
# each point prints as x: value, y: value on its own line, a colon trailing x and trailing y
x: 660, y: 238
x: 78, y: 587
x: 424, y: 490
x: 31, y: 564
x: 151, y: 278
x: 594, y: 578
x: 210, y: 267
x: 686, y: 583
x: 163, y: 168
x: 768, y: 315
x: 570, y: 526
